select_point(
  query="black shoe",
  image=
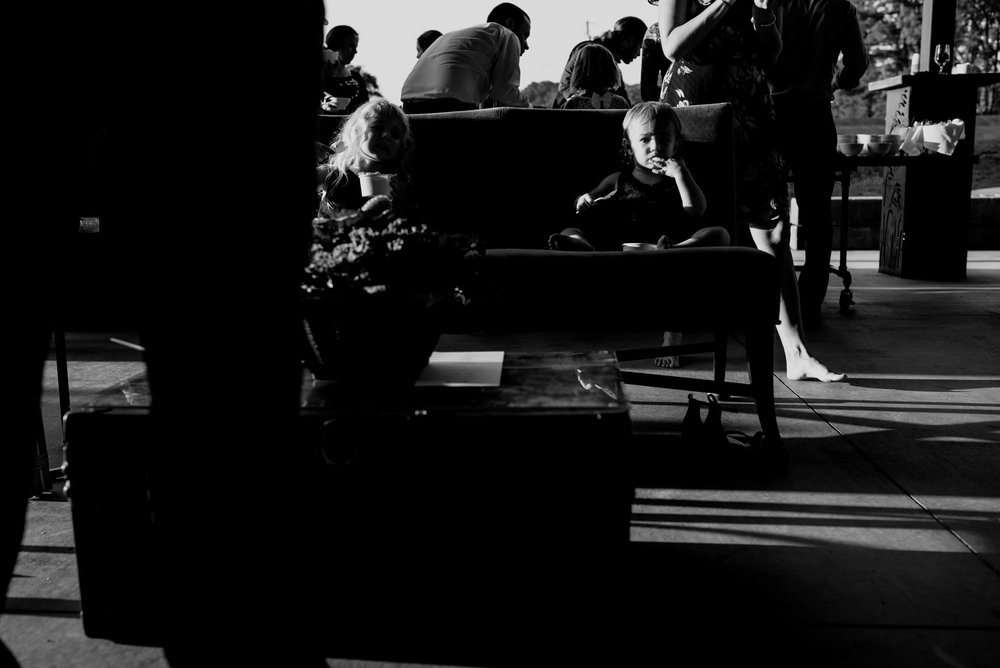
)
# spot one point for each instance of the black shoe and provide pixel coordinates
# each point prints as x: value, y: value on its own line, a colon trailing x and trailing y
x: 712, y: 434
x: 691, y: 426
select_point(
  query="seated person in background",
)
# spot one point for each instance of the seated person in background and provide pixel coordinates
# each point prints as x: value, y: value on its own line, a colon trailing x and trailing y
x: 657, y: 201
x: 594, y: 76
x: 425, y: 40
x: 473, y: 67
x: 375, y: 138
x: 624, y: 42
x: 339, y: 79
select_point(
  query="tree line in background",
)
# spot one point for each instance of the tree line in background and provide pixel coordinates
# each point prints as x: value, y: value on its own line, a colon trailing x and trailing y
x: 892, y: 34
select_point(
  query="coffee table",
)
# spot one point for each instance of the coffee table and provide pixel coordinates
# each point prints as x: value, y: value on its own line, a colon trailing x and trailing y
x: 455, y: 519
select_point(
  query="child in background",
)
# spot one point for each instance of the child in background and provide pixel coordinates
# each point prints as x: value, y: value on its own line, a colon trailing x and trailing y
x: 595, y: 75
x: 375, y: 138
x: 656, y: 201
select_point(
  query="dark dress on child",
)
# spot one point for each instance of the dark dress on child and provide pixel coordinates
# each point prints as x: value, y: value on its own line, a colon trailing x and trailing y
x: 724, y: 68
x: 345, y: 194
x: 637, y: 212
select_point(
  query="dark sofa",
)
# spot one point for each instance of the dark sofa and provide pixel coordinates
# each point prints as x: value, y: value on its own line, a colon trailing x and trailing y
x: 511, y: 177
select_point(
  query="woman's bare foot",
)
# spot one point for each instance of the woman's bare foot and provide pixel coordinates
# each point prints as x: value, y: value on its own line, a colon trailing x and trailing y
x: 670, y: 361
x: 801, y: 368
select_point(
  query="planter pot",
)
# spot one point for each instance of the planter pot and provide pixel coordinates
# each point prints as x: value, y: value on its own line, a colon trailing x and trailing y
x: 370, y: 340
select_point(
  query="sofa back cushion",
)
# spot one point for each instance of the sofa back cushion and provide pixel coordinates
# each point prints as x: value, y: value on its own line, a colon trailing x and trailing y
x: 512, y: 176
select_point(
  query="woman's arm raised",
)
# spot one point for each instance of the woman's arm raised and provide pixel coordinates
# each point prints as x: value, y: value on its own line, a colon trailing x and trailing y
x: 680, y: 34
x: 766, y: 20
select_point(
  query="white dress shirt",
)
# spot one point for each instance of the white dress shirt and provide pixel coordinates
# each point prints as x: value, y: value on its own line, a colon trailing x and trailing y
x: 469, y: 65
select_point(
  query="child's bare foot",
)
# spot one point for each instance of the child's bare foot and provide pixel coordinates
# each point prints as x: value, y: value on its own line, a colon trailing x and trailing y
x: 670, y: 361
x: 566, y: 242
x: 801, y: 368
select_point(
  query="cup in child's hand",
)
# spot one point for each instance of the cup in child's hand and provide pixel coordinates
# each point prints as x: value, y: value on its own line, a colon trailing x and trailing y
x: 375, y: 183
x: 638, y: 247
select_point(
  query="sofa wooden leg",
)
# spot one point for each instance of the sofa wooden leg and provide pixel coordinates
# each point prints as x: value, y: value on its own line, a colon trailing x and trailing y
x: 720, y: 352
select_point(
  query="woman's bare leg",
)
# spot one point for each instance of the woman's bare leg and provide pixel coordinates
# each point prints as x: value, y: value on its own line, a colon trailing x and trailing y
x: 799, y: 364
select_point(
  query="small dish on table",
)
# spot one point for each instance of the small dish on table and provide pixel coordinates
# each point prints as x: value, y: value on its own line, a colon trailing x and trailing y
x: 879, y: 148
x: 850, y: 148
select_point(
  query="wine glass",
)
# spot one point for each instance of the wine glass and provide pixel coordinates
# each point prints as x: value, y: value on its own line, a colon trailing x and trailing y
x: 942, y: 54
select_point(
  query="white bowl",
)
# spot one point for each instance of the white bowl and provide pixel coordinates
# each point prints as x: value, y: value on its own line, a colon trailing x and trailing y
x: 879, y: 147
x: 895, y: 140
x: 850, y: 148
x: 638, y: 247
x: 847, y: 139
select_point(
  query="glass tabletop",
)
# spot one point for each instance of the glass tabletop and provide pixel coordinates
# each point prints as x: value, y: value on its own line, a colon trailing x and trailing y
x: 539, y: 382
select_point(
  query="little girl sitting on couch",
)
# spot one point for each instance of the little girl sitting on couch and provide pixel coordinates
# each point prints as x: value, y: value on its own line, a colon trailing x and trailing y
x: 657, y: 201
x: 375, y: 138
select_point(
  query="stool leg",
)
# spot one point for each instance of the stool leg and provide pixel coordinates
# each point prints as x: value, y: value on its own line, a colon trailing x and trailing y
x: 846, y: 295
x: 41, y: 482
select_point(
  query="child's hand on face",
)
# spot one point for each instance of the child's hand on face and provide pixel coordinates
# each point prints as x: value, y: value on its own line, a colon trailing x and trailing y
x: 674, y: 168
x: 671, y: 167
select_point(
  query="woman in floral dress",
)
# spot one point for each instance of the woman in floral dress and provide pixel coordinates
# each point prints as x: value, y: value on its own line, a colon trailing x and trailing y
x: 719, y: 50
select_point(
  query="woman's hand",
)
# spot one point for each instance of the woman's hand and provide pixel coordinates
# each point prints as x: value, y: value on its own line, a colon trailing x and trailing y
x: 584, y: 202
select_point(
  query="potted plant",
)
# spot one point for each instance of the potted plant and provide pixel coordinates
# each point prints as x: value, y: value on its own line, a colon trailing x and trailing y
x: 374, y: 291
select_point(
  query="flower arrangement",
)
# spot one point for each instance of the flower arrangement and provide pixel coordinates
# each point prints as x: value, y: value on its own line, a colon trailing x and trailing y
x: 373, y: 251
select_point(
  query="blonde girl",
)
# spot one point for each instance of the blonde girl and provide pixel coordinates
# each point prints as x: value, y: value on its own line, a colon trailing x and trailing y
x: 595, y: 76
x: 375, y: 138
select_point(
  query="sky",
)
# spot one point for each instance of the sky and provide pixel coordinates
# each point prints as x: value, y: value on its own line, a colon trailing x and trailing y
x: 388, y: 30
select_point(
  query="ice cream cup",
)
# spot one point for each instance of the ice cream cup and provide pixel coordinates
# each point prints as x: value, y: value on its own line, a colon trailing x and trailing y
x: 375, y: 183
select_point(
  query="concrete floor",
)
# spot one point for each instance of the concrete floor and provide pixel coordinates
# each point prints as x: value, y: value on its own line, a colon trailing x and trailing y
x: 879, y: 547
